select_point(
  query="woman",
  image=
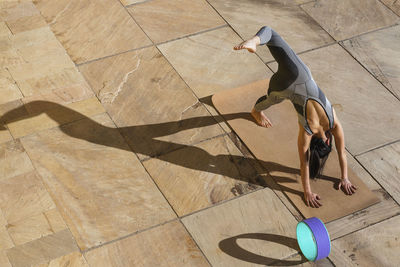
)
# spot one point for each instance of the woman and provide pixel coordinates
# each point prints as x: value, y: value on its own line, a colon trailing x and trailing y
x: 316, y: 117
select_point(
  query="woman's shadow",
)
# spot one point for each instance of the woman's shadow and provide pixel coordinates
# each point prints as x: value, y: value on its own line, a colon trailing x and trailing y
x: 142, y: 139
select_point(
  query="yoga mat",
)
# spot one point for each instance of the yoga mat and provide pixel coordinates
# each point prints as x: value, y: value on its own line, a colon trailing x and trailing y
x: 276, y: 149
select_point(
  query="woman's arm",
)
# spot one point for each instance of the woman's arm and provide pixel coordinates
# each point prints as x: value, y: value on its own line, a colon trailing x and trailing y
x: 303, y: 144
x: 340, y: 148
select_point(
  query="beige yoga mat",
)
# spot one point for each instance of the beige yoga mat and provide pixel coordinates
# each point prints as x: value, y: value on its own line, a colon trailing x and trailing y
x: 276, y: 149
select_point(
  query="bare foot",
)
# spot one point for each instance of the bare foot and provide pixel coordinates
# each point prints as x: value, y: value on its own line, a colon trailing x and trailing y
x: 250, y: 44
x: 261, y: 119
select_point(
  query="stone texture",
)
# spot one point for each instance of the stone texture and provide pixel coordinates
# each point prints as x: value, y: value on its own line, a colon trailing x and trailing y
x: 18, y: 112
x: 165, y: 245
x: 147, y: 99
x: 377, y: 245
x: 29, y: 229
x: 5, y: 240
x: 167, y: 20
x: 42, y: 250
x: 26, y: 23
x: 199, y: 176
x: 23, y: 196
x: 383, y: 164
x: 16, y: 9
x: 208, y: 63
x: 250, y: 230
x: 344, y: 19
x: 365, y: 107
x: 99, y: 186
x: 9, y: 90
x: 379, y: 53
x: 74, y: 259
x: 394, y: 5
x: 90, y: 30
x: 13, y: 160
x: 4, y: 262
x: 285, y: 17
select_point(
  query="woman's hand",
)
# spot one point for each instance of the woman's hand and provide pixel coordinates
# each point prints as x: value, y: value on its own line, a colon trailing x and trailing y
x: 312, y: 199
x: 347, y: 187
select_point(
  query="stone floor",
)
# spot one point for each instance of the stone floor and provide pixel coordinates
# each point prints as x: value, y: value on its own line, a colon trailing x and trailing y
x: 111, y: 154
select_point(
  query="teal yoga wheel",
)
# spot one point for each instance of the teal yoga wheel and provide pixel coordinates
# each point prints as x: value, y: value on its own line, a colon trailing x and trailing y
x: 313, y: 239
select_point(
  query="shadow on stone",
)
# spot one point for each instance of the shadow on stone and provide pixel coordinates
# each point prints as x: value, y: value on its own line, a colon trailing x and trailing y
x: 142, y: 139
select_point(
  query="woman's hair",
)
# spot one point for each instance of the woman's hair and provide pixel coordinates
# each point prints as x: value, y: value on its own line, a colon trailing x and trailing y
x: 319, y: 152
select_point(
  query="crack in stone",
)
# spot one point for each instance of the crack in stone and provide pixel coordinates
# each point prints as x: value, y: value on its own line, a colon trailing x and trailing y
x: 109, y: 97
x: 60, y: 13
x: 187, y: 108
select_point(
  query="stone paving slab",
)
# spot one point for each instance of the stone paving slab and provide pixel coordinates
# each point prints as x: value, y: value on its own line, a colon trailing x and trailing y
x: 97, y: 183
x: 74, y: 259
x: 364, y: 107
x: 90, y: 30
x: 285, y: 17
x: 208, y: 63
x: 346, y: 18
x: 379, y: 53
x: 167, y: 20
x: 28, y: 209
x: 384, y: 165
x: 248, y: 231
x: 42, y: 250
x: 148, y: 100
x: 14, y: 160
x: 199, y: 176
x: 21, y: 16
x: 377, y: 245
x: 165, y: 245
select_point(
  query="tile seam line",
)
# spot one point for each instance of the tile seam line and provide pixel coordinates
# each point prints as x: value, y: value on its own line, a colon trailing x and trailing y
x: 363, y: 228
x: 377, y: 148
x: 112, y: 55
x: 201, y: 251
x: 192, y: 34
x: 189, y: 88
x: 369, y: 72
x: 397, y: 202
x: 51, y: 197
x: 150, y: 45
x: 233, y: 29
x: 85, y: 251
x: 349, y: 38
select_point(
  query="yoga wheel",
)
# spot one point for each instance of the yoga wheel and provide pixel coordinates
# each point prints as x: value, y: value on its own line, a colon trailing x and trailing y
x: 313, y: 239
